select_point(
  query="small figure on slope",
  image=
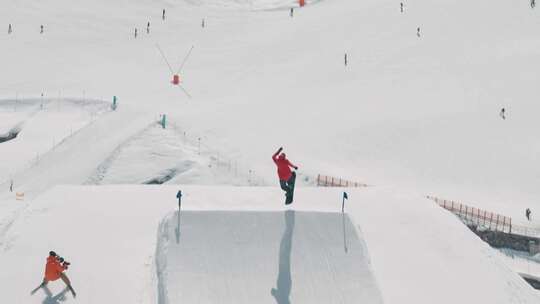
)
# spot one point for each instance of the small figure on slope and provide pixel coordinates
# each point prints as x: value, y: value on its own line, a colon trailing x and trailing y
x: 292, y: 12
x: 503, y: 113
x: 286, y: 176
x: 148, y: 27
x: 135, y: 32
x: 528, y: 214
x: 533, y: 3
x: 418, y: 32
x: 54, y: 270
x: 401, y: 6
x: 163, y: 15
x: 10, y: 29
x: 41, y: 29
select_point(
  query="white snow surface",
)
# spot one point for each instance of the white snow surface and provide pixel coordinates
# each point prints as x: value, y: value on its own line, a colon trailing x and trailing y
x: 414, y: 114
x: 264, y: 257
x: 418, y: 253
x: 417, y: 113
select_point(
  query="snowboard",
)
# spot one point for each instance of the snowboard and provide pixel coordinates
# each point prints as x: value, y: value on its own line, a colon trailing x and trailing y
x: 37, y: 288
x: 290, y: 194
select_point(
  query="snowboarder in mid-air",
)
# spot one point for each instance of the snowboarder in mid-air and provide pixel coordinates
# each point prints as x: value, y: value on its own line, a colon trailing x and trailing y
x: 286, y: 176
x: 54, y: 270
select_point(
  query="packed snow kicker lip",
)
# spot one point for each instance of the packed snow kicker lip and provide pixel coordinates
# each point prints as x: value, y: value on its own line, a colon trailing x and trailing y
x: 262, y: 257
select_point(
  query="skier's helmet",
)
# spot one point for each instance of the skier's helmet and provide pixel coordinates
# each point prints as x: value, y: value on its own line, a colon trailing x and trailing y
x: 52, y: 253
x: 282, y: 156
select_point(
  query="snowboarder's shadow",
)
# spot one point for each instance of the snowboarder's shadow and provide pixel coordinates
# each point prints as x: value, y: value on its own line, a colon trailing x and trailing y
x: 284, y: 280
x: 54, y: 299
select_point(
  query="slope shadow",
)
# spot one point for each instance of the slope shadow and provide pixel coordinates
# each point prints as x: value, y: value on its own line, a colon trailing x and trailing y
x: 284, y: 280
x: 12, y: 134
x: 56, y: 299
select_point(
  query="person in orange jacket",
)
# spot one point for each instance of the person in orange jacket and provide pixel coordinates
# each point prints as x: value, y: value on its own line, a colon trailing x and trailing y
x: 54, y: 270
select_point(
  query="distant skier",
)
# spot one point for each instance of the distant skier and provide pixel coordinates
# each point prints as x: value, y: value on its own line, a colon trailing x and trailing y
x: 41, y: 29
x: 163, y: 15
x: 9, y: 29
x: 148, y: 27
x: 533, y: 3
x: 54, y: 270
x: 135, y: 32
x: 292, y: 12
x: 203, y: 23
x: 503, y: 113
x: 11, y: 186
x: 418, y: 32
x: 528, y: 214
x: 286, y: 176
x: 346, y: 59
x: 401, y: 6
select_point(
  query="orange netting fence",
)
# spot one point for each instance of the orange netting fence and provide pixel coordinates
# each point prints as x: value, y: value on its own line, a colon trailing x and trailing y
x: 484, y: 218
x: 329, y: 181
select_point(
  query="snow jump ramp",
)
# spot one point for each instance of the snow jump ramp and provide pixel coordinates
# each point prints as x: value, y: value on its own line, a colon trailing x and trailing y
x: 262, y: 257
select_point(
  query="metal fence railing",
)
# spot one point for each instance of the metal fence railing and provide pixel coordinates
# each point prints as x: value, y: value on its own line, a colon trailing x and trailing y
x: 485, y: 219
x: 329, y: 181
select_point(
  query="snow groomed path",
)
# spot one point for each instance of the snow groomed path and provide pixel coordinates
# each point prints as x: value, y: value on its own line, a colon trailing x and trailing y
x: 121, y: 240
x: 263, y: 257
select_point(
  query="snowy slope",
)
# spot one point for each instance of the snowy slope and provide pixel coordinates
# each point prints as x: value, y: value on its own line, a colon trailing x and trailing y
x: 412, y: 112
x: 264, y: 257
x: 43, y: 124
x: 418, y: 252
x: 419, y: 114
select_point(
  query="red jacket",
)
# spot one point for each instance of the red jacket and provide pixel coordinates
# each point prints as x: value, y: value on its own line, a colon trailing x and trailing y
x: 53, y: 269
x: 283, y: 166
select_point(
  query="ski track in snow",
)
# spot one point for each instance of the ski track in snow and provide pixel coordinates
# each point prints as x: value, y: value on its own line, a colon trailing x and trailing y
x: 5, y: 225
x: 102, y: 168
